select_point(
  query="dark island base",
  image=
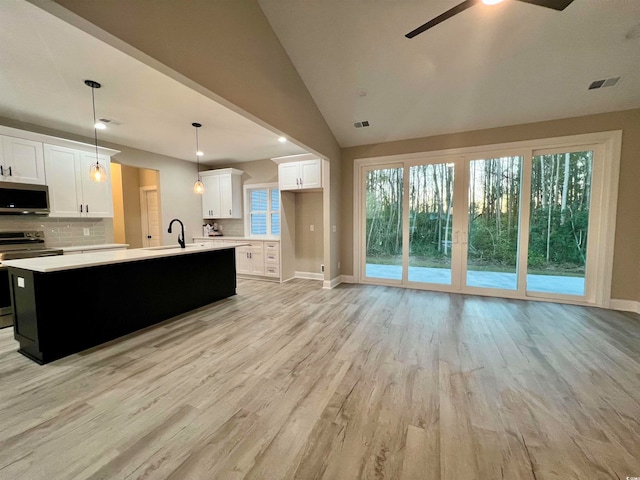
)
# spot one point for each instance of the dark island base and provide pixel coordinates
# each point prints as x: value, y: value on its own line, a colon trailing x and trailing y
x: 60, y: 313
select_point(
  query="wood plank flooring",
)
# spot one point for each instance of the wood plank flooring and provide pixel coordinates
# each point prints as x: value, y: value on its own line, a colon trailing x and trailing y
x: 360, y: 382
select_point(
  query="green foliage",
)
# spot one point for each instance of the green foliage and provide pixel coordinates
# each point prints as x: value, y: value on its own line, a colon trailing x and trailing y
x: 559, y: 211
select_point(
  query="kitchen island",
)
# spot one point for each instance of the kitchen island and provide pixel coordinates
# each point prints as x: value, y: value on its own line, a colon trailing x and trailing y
x: 66, y: 304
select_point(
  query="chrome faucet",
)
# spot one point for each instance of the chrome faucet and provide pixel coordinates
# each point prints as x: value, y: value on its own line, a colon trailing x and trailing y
x: 180, y: 237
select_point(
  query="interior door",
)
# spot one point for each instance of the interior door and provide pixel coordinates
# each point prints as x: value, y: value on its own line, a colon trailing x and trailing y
x: 150, y: 217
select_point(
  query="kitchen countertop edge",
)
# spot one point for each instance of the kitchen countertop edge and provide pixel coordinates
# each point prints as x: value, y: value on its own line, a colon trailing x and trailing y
x: 91, y: 259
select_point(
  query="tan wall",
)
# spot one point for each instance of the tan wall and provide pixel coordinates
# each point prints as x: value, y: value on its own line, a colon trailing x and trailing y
x: 626, y: 262
x: 132, y: 211
x: 118, y: 204
x: 148, y: 177
x: 309, y: 245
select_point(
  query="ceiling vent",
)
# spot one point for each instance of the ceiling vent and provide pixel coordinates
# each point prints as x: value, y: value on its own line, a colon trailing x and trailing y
x: 608, y: 82
x: 364, y: 123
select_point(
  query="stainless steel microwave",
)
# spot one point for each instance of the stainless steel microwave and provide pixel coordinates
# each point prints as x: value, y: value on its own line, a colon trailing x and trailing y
x: 23, y: 199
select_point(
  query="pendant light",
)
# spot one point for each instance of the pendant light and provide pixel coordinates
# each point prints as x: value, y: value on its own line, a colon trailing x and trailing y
x: 97, y: 172
x: 198, y: 187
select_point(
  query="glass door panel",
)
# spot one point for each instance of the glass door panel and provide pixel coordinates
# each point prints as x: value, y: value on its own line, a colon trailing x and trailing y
x: 430, y: 223
x: 493, y: 225
x: 383, y: 226
x: 559, y: 222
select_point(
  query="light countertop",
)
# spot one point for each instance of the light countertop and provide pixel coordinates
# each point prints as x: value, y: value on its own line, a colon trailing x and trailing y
x: 92, y: 259
x: 235, y: 239
x: 102, y: 246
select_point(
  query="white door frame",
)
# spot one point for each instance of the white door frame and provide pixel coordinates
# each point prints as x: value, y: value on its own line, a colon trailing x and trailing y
x: 607, y: 148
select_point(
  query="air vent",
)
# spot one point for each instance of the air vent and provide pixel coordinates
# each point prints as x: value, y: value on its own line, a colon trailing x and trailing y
x: 607, y: 82
x: 364, y: 123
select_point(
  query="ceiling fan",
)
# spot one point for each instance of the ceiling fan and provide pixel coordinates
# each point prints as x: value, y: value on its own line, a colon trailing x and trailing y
x: 554, y: 4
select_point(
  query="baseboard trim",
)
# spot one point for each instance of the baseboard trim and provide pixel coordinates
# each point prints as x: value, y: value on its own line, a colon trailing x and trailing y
x: 309, y: 275
x: 334, y: 282
x: 625, y: 305
x: 347, y: 279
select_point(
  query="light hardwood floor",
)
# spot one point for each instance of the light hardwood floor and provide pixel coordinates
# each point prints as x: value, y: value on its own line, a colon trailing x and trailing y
x: 295, y: 382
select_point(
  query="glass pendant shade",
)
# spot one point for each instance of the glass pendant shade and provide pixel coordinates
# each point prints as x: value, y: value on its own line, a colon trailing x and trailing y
x: 198, y: 187
x: 98, y: 173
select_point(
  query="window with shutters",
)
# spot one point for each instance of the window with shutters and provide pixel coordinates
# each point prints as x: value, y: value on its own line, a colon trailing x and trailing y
x: 263, y: 210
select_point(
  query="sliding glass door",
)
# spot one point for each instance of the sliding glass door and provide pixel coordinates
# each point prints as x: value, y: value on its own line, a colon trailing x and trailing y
x: 430, y: 223
x: 560, y: 202
x: 383, y: 208
x: 493, y: 220
x: 521, y: 227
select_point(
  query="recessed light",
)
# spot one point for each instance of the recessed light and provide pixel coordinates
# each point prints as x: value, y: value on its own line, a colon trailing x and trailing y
x: 100, y: 126
x: 282, y: 139
x: 491, y: 2
x: 199, y: 153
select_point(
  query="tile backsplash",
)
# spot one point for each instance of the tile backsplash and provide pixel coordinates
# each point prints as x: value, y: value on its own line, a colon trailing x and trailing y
x: 63, y: 232
x: 230, y: 227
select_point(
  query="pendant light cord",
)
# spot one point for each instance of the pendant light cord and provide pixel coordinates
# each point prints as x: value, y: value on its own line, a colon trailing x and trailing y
x: 197, y: 156
x: 95, y: 130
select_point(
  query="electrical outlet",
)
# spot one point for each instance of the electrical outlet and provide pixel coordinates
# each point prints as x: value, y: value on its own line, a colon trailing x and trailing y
x: 338, y: 264
x: 334, y: 229
x: 322, y: 268
x: 312, y: 228
x: 86, y: 232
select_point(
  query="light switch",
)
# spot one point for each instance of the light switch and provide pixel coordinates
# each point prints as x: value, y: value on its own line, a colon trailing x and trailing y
x: 311, y: 228
x: 334, y: 229
x: 86, y: 232
x: 21, y: 282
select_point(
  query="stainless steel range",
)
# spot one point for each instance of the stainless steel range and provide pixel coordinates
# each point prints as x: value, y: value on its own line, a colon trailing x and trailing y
x: 22, y: 244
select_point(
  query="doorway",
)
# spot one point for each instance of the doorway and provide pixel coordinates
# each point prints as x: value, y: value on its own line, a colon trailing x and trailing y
x: 518, y: 222
x: 137, y: 212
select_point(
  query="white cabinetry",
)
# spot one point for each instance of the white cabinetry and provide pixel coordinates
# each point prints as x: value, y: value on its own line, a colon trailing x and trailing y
x: 259, y: 258
x: 250, y: 259
x: 299, y: 172
x: 222, y: 196
x: 21, y: 160
x: 71, y: 192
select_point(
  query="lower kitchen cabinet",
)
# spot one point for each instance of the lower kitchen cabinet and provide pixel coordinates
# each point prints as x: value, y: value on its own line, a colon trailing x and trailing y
x: 255, y: 258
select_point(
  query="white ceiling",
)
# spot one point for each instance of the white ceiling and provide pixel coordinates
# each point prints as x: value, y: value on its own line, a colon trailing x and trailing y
x: 45, y: 62
x: 486, y: 67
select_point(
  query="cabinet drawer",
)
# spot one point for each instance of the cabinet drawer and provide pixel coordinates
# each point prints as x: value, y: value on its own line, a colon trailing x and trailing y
x: 272, y: 245
x: 272, y: 270
x: 272, y: 257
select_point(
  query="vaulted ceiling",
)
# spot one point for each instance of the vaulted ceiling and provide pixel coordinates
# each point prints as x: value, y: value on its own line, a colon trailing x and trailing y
x: 489, y: 66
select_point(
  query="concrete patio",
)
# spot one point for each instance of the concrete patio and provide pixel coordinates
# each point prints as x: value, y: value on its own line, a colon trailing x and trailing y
x: 502, y: 280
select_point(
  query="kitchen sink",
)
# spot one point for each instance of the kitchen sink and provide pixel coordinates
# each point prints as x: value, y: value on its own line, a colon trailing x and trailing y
x: 169, y: 247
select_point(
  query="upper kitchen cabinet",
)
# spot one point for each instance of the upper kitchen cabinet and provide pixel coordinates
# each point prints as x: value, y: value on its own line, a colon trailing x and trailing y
x: 21, y: 160
x: 71, y: 192
x: 299, y: 172
x: 222, y: 196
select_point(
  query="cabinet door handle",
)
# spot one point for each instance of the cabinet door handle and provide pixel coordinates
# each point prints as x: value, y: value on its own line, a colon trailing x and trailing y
x: 10, y: 171
x: 229, y: 212
x: 1, y: 170
x: 149, y: 237
x: 87, y: 208
x: 297, y: 181
x: 80, y: 208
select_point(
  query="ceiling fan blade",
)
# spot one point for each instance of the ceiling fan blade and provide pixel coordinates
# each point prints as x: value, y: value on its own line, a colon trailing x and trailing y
x: 555, y: 4
x: 450, y: 13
